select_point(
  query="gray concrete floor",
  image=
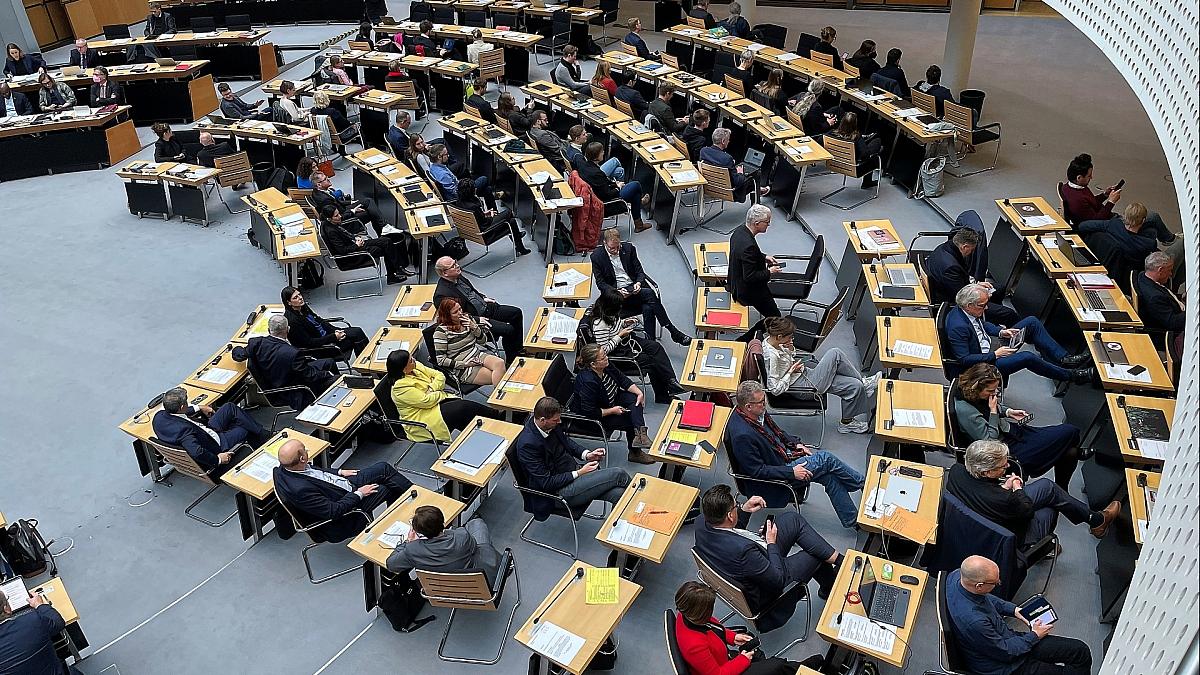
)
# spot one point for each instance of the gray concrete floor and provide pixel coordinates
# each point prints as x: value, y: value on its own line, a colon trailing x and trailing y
x: 111, y: 310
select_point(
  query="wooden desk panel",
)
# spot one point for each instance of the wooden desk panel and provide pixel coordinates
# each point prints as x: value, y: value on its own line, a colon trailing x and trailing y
x: 1138, y: 350
x: 674, y: 497
x: 880, y: 276
x: 703, y: 273
x: 697, y: 352
x: 915, y: 329
x: 535, y: 338
x: 1078, y: 303
x: 1125, y: 439
x: 222, y: 359
x: 735, y: 307
x: 260, y: 490
x: 256, y: 323
x: 670, y: 424
x: 583, y: 291
x: 827, y: 626
x: 413, y: 296
x: 911, y: 396
x: 366, y: 361
x: 1009, y: 212
x: 1137, y: 498
x: 347, y: 414
x: 367, y: 544
x: 506, y: 430
x: 525, y: 370
x: 871, y: 250
x: 927, y: 508
x: 1058, y: 264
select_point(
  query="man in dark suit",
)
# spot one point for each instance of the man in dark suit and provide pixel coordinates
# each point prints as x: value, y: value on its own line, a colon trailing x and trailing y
x: 947, y: 269
x: 84, y: 56
x: 759, y: 563
x: 932, y: 85
x: 750, y: 270
x: 477, y: 100
x: 695, y: 134
x: 13, y: 102
x: 615, y: 266
x: 505, y: 321
x: 103, y: 91
x: 27, y: 638
x: 700, y: 11
x: 210, y: 149
x: 363, y: 208
x: 551, y: 462
x: 968, y: 335
x: 743, y: 184
x: 430, y: 546
x: 763, y: 450
x: 397, y: 135
x: 664, y: 112
x: 628, y: 93
x: 634, y: 37
x: 346, y: 497
x: 1159, y: 308
x: 618, y: 196
x: 348, y: 237
x: 211, y: 443
x: 275, y: 363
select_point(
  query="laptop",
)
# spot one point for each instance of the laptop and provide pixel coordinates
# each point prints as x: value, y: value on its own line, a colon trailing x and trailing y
x: 1079, y: 257
x: 476, y: 448
x: 282, y: 128
x: 71, y: 71
x: 217, y: 119
x: 717, y: 300
x: 165, y: 61
x: 548, y: 189
x: 386, y: 21
x: 753, y: 161
x: 883, y: 602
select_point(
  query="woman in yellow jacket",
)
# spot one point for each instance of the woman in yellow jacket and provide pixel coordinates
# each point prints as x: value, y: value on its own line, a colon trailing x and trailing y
x: 420, y: 395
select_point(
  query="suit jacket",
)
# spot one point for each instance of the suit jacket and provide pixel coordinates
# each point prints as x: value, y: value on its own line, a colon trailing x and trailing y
x: 27, y: 642
x: 718, y: 157
x: 758, y: 459
x: 188, y: 435
x: 696, y: 141
x: 339, y: 199
x: 635, y: 100
x: 964, y: 344
x: 748, y: 274
x: 485, y: 107
x: 737, y: 27
x: 28, y: 64
x: 448, y: 289
x: 947, y: 273
x: 698, y: 13
x: 666, y: 115
x: 1157, y: 306
x: 275, y: 363
x: 547, y: 463
x: 604, y: 273
x: 590, y: 396
x: 760, y: 572
x: 398, y: 139
x: 896, y: 73
x: 938, y: 92
x: 632, y: 38
x: 89, y: 59
x: 112, y: 97
x: 207, y: 154
x: 605, y: 188
x: 303, y: 334
x: 20, y: 102
x: 574, y: 155
x: 454, y: 550
x: 314, y: 500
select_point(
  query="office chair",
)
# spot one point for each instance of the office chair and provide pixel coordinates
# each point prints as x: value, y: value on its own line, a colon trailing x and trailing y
x: 470, y: 590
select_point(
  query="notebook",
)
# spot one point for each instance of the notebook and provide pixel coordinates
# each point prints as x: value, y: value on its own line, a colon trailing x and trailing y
x: 719, y: 318
x: 697, y: 415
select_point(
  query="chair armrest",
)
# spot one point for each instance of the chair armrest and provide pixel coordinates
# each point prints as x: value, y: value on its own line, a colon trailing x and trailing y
x: 580, y: 419
x: 332, y: 351
x: 356, y: 254
x: 547, y: 495
x: 993, y: 125
x: 294, y: 387
x: 771, y: 481
x: 779, y: 256
x: 366, y: 516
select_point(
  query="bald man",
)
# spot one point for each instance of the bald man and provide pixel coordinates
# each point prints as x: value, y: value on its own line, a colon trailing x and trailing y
x: 988, y: 645
x: 210, y: 149
x: 505, y: 321
x: 346, y: 498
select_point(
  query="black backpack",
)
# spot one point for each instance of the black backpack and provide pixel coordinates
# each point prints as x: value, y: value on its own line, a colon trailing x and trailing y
x: 310, y: 276
x: 24, y: 550
x: 401, y: 602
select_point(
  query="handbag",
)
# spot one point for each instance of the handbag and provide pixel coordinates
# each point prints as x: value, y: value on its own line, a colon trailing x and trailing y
x: 325, y: 166
x: 401, y: 602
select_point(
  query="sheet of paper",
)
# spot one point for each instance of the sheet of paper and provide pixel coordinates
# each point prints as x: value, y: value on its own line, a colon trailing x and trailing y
x: 291, y: 219
x: 860, y: 631
x: 909, y: 112
x: 654, y: 517
x: 784, y: 58
x: 683, y: 436
x: 1120, y: 371
x: 517, y: 386
x: 718, y: 270
x: 299, y: 248
x: 1090, y: 315
x: 1143, y: 528
x: 560, y: 291
x: 685, y: 176
x: 914, y: 349
x: 1152, y: 449
x: 876, y: 506
x: 907, y: 525
x: 215, y: 375
x: 538, y: 178
x: 1093, y: 280
x: 561, y: 326
x: 876, y: 97
x: 376, y: 159
x: 918, y: 419
x: 317, y: 414
x: 716, y: 372
x: 261, y: 467
x: 427, y: 213
x: 1048, y: 242
x: 387, y: 347
x: 601, y: 586
x: 569, y: 276
x: 395, y: 534
x: 17, y: 594
x: 406, y: 311
x: 567, y: 202
x: 904, y: 492
x: 1038, y: 221
x: 290, y: 231
x: 627, y: 534
x: 555, y: 642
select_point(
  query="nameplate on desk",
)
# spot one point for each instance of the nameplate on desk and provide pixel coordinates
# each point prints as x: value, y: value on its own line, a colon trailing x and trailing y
x: 915, y: 350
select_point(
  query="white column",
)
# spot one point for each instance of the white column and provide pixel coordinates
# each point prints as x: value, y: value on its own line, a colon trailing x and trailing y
x: 960, y: 44
x: 749, y: 11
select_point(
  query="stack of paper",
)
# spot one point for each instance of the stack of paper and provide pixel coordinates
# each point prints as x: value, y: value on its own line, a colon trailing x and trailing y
x: 1038, y: 221
x: 396, y: 533
x: 317, y: 414
x: 556, y: 643
x: 218, y: 376
x: 561, y: 326
x: 861, y: 631
x: 915, y: 350
x: 406, y: 311
x: 261, y: 467
x: 299, y: 248
x: 720, y: 372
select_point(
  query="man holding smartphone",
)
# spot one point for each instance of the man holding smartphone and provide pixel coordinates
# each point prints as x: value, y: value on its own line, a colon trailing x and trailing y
x: 977, y: 620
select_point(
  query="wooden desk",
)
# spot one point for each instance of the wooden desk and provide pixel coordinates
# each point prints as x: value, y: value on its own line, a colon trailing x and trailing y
x: 678, y: 177
x: 710, y: 276
x: 222, y: 359
x: 632, y: 132
x: 418, y: 222
x: 154, y: 93
x: 141, y: 428
x: 256, y: 503
x: 876, y: 275
x: 256, y: 323
x: 583, y: 291
x: 544, y: 91
x: 1130, y: 450
x: 664, y: 494
x: 693, y: 381
x: 657, y: 152
x: 73, y: 640
x: 368, y: 363
x: 604, y: 116
x: 460, y: 475
x: 535, y: 338
x: 508, y: 396
x: 1008, y: 210
x: 1137, y: 499
x: 828, y: 629
x: 861, y: 241
x: 915, y: 329
x: 801, y: 152
x: 1138, y: 349
x: 551, y: 209
x: 348, y: 415
x: 926, y: 515
x: 911, y: 396
x: 413, y: 296
x: 774, y: 128
x: 742, y: 111
x: 1088, y: 318
x: 709, y: 330
x: 565, y: 607
x: 1057, y: 264
x: 62, y: 142
x: 673, y: 467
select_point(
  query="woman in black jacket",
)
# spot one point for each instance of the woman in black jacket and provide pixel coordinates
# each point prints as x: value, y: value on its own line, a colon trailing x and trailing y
x: 604, y: 393
x: 166, y: 148
x: 306, y: 329
x: 489, y: 218
x: 866, y: 148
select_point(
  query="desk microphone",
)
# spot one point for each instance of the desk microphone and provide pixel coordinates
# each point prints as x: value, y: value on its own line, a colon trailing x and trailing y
x: 887, y: 333
x: 641, y: 485
x: 858, y: 236
x: 577, y: 577
x: 1020, y: 220
x: 545, y: 313
x: 858, y: 562
x: 1121, y: 404
x: 696, y: 363
x: 883, y: 465
x: 1103, y: 348
x: 891, y: 420
x: 407, y: 498
x: 878, y: 279
x: 703, y: 258
x: 1141, y: 481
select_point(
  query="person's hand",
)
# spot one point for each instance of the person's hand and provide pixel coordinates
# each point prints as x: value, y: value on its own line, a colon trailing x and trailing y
x: 620, y: 183
x: 411, y: 536
x: 637, y: 287
x: 483, y: 321
x: 1008, y: 333
x: 742, y: 638
x: 625, y: 331
x: 749, y: 653
x: 206, y: 409
x: 1040, y: 629
x: 224, y: 457
x: 641, y: 399
x: 774, y: 269
x: 624, y: 292
x: 1017, y: 415
x: 754, y: 503
x: 360, y: 240
x: 1017, y: 483
x: 1008, y: 481
x: 797, y: 367
x: 367, y: 490
x: 595, y: 455
x: 740, y: 169
x: 487, y: 299
x: 1017, y: 613
x: 588, y: 468
x: 36, y: 600
x: 803, y: 449
x: 832, y: 119
x: 615, y: 410
x: 771, y: 260
x: 770, y: 532
x: 346, y: 473
x: 994, y: 403
x: 986, y: 284
x: 339, y: 334
x: 1114, y: 196
x: 801, y: 473
x: 1005, y: 351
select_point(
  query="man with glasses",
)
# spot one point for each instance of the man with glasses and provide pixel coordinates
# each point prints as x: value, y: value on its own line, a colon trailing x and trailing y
x: 986, y: 485
x: 969, y: 335
x: 504, y: 321
x: 986, y: 642
x: 765, y: 451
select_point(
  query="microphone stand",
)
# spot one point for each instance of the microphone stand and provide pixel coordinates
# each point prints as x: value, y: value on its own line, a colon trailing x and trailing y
x: 858, y: 563
x: 1141, y: 481
x: 858, y: 236
x: 577, y: 577
x: 640, y: 486
x: 883, y: 465
x: 887, y: 335
x: 891, y: 420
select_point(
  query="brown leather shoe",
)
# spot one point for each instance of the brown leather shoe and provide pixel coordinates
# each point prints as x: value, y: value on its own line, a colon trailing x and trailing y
x: 642, y: 226
x: 1110, y: 513
x: 639, y: 457
x: 641, y: 439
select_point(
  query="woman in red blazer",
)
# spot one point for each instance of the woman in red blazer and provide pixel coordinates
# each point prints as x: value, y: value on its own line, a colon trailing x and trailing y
x: 706, y: 645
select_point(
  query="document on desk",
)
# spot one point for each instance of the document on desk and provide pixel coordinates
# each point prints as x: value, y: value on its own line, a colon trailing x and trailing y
x: 688, y: 176
x: 908, y: 112
x: 1143, y: 527
x: 917, y: 419
x: 914, y: 349
x: 1090, y: 315
x: 1120, y: 371
x: 876, y: 506
x: 1048, y: 242
x: 569, y: 276
x: 406, y: 311
x: 720, y: 372
x: 800, y: 150
x: 219, y: 376
x: 561, y: 326
x: 396, y: 533
x: 904, y: 492
x: 290, y: 219
x: 860, y: 631
x: 387, y: 347
x: 787, y: 56
x: 1151, y: 449
x: 555, y: 642
x: 262, y: 467
x: 539, y: 177
x: 1038, y: 221
x: 291, y: 231
x: 561, y: 291
x: 601, y: 586
x: 626, y: 533
x: 877, y: 239
x: 17, y: 594
x: 299, y: 248
x: 317, y: 414
x: 567, y: 202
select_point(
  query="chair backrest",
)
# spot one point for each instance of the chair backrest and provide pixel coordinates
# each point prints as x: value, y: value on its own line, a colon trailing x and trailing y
x: 457, y: 590
x: 235, y: 169
x: 237, y: 22
x: 680, y: 145
x: 850, y: 70
x: 441, y: 13
x: 560, y: 25
x: 116, y: 31
x: 960, y: 117
x: 987, y: 539
x: 1133, y: 294
x: 832, y: 314
x: 179, y: 458
x: 954, y: 434
x: 923, y: 101
x: 948, y: 363
x: 844, y: 160
x: 728, y: 591
x: 623, y: 106
x: 468, y: 228
x: 203, y: 24
x: 813, y: 269
x: 668, y: 59
x: 601, y: 94
x: 329, y: 136
x: 472, y: 110
x: 628, y: 48
x: 821, y: 58
x: 719, y: 181
x: 1062, y: 204
x: 695, y: 22
x: 419, y: 11
x: 736, y: 84
x: 951, y: 655
x: 491, y: 64
x: 303, y: 199
x: 678, y: 665
x: 503, y: 123
x: 805, y: 43
x: 475, y: 19
x: 794, y: 118
x: 772, y: 35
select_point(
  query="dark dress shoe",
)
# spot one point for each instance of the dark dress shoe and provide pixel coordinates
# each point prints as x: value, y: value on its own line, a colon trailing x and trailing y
x: 1077, y: 360
x: 680, y: 337
x: 396, y: 279
x: 1084, y: 375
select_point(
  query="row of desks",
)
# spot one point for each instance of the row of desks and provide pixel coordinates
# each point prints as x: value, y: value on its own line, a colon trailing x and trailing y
x: 233, y: 54
x: 167, y: 189
x: 36, y: 145
x: 183, y: 92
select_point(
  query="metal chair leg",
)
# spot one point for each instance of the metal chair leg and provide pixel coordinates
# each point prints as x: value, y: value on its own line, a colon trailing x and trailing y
x: 227, y: 207
x: 825, y: 199
x: 188, y: 511
x: 308, y: 566
x: 483, y: 255
x: 535, y: 542
x: 503, y: 640
x: 995, y: 160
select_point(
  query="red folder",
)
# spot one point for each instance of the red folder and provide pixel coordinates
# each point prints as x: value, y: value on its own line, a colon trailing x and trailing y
x: 697, y: 415
x: 717, y: 317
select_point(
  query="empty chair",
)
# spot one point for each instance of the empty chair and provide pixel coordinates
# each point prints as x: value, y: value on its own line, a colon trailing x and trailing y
x: 238, y: 22
x: 608, y: 16
x: 970, y: 134
x: 235, y: 170
x: 475, y: 19
x: 845, y: 161
x: 203, y: 24
x: 770, y: 34
x: 116, y: 31
x: 473, y: 231
x: 442, y: 13
x: 805, y: 44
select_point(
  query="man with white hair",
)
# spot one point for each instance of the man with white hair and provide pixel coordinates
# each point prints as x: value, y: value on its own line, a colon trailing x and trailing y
x: 504, y: 321
x: 210, y: 149
x: 1159, y: 309
x: 749, y: 269
x: 275, y: 363
x: 743, y: 183
x: 969, y: 335
x: 988, y: 645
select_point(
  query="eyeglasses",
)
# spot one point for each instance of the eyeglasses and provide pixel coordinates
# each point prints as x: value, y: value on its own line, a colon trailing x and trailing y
x: 761, y: 401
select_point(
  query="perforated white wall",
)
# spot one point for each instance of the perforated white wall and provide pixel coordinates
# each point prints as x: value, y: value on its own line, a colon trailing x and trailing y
x: 1155, y: 46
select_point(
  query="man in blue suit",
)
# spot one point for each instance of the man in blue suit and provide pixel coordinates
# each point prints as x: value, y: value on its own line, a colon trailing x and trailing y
x: 211, y: 444
x: 13, y: 102
x: 968, y: 335
x: 948, y: 267
x: 634, y: 38
x: 765, y: 451
x: 615, y: 266
x: 27, y: 639
x: 743, y: 183
x: 275, y: 363
x: 759, y: 563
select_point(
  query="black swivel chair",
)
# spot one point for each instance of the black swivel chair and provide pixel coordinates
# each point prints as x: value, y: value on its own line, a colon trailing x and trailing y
x: 116, y: 31
x: 952, y: 660
x: 805, y: 44
x: 770, y: 34
x: 796, y: 287
x: 561, y: 508
x: 238, y: 22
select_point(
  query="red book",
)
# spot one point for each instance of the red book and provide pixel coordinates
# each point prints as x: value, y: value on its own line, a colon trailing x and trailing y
x: 716, y: 317
x: 697, y: 415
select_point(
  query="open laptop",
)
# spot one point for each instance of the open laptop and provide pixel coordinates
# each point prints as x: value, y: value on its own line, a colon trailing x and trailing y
x: 882, y: 601
x: 282, y: 128
x: 219, y: 120
x: 1079, y: 257
x: 165, y: 61
x: 753, y: 161
x: 548, y: 189
x: 71, y: 71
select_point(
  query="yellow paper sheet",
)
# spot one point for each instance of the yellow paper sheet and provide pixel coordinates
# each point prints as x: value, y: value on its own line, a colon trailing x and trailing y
x: 908, y: 525
x: 600, y: 584
x: 273, y: 447
x: 682, y: 436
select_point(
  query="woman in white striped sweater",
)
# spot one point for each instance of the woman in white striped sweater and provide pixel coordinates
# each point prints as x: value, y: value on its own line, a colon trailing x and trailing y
x: 458, y: 345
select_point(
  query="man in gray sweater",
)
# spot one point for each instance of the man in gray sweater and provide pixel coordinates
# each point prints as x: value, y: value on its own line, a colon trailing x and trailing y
x: 567, y: 73
x: 430, y: 546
